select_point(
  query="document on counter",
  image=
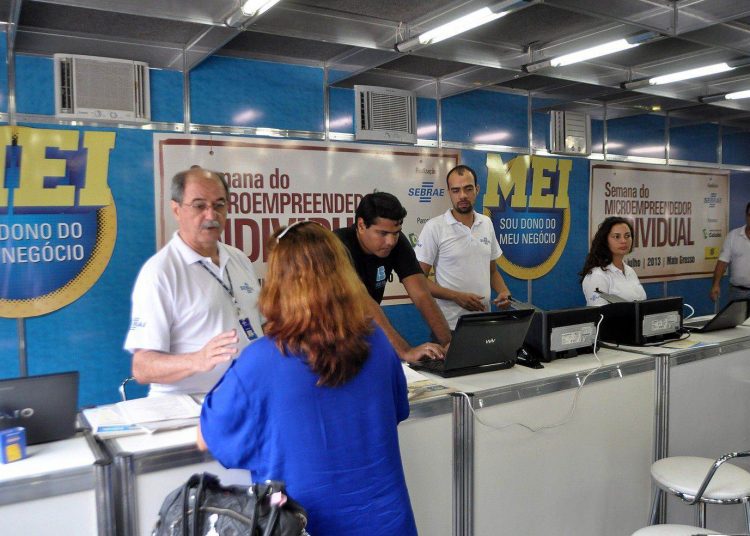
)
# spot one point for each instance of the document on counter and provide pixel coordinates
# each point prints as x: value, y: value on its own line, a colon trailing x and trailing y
x: 420, y: 386
x: 143, y: 415
x: 159, y: 408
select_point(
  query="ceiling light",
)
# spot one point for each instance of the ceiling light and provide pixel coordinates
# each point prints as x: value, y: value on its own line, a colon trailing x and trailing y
x: 690, y: 73
x: 738, y: 95
x: 460, y: 25
x: 248, y: 11
x: 252, y: 8
x: 593, y: 52
x: 707, y: 99
x: 686, y: 75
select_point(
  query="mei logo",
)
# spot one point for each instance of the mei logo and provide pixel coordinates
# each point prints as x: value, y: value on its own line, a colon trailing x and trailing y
x: 426, y: 192
x: 25, y: 413
x: 489, y: 341
x: 137, y: 323
x: 484, y: 240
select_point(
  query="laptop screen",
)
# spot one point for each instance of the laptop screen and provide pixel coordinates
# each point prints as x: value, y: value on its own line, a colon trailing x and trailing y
x: 733, y: 314
x: 44, y: 405
x: 488, y: 338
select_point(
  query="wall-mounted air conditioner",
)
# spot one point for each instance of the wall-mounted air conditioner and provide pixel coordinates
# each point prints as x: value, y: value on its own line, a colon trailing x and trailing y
x: 570, y: 133
x: 89, y: 87
x: 385, y: 114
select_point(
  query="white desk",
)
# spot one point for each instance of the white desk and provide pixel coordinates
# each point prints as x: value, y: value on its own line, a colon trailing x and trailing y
x: 60, y: 488
x: 556, y: 481
x: 150, y: 466
x: 588, y: 476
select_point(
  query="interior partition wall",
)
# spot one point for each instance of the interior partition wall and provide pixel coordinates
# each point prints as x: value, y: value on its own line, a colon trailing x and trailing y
x: 230, y: 96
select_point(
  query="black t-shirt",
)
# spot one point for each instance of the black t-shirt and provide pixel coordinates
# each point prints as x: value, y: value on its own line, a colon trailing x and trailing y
x: 375, y: 271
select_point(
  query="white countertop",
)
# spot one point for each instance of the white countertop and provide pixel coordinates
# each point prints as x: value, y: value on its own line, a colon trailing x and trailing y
x: 50, y: 458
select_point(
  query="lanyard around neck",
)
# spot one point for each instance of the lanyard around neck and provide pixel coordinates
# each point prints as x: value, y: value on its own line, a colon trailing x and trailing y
x: 229, y: 289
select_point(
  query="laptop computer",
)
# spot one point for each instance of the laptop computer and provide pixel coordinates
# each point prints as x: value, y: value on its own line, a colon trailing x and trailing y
x: 482, y: 342
x: 732, y: 315
x: 45, y: 405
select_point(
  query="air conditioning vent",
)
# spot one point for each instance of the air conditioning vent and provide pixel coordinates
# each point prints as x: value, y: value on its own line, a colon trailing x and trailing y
x: 570, y: 133
x: 89, y: 87
x: 385, y: 114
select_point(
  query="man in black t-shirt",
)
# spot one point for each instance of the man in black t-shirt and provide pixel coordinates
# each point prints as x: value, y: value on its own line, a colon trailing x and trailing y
x: 378, y: 247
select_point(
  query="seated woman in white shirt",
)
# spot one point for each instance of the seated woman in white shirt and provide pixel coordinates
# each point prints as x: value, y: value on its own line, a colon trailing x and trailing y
x: 605, y: 269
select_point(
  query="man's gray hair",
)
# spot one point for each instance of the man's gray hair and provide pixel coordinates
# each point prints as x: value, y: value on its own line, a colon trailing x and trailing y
x: 177, y: 190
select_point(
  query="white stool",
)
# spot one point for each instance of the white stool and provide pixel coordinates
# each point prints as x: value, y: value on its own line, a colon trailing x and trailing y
x: 699, y: 481
x: 671, y: 530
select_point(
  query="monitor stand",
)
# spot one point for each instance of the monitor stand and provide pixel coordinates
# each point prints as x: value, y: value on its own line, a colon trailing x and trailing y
x: 527, y: 359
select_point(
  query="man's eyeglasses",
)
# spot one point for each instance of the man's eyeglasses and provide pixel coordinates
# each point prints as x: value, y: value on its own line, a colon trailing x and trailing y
x: 200, y: 206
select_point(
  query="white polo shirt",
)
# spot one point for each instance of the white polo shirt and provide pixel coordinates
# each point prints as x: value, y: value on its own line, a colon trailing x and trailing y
x: 461, y: 258
x: 178, y: 306
x: 736, y: 253
x: 612, y: 280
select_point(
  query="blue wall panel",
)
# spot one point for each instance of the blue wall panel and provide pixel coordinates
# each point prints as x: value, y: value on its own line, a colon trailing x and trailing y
x: 341, y: 110
x: 641, y: 135
x: 228, y: 91
x: 739, y: 197
x: 597, y: 136
x: 735, y: 147
x: 540, y: 130
x: 3, y: 75
x: 426, y: 119
x: 166, y: 95
x: 35, y: 85
x: 695, y: 142
x: 486, y: 117
x: 548, y: 292
x: 88, y: 334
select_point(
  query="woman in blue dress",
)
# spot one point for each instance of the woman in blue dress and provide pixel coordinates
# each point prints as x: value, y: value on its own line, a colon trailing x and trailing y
x: 316, y: 402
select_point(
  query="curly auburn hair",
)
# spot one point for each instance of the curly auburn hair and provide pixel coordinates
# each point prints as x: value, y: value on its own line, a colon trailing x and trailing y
x: 600, y: 254
x: 314, y: 302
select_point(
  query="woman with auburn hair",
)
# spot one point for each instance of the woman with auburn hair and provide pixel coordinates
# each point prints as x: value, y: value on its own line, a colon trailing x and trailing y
x: 317, y: 400
x: 605, y: 270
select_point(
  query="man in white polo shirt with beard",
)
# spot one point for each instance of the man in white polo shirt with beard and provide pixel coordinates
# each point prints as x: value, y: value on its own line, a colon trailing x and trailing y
x: 735, y: 255
x: 195, y: 301
x: 462, y: 247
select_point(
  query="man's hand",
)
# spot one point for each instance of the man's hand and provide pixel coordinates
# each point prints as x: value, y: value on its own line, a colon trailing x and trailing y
x: 428, y: 350
x: 217, y: 350
x: 714, y: 293
x: 469, y: 301
x: 502, y: 300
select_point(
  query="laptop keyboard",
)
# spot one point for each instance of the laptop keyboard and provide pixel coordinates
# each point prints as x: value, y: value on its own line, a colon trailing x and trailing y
x: 432, y: 365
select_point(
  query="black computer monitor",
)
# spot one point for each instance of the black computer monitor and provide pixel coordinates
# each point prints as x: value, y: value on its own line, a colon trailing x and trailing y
x: 641, y: 323
x: 562, y: 333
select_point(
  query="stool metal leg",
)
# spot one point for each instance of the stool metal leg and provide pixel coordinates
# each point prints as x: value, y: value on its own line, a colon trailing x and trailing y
x: 700, y: 518
x: 654, y: 518
x: 747, y: 515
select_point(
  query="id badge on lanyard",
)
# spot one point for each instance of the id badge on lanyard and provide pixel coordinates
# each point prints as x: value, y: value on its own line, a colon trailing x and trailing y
x: 248, y: 329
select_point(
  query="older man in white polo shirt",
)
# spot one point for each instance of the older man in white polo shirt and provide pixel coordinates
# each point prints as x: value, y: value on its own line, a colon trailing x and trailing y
x: 735, y: 254
x: 195, y: 301
x: 462, y: 247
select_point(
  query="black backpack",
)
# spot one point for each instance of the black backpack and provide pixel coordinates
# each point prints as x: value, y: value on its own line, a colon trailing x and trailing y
x: 203, y: 505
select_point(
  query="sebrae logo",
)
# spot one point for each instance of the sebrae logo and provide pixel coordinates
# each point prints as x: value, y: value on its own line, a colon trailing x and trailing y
x: 426, y: 192
x: 527, y: 200
x: 57, y: 217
